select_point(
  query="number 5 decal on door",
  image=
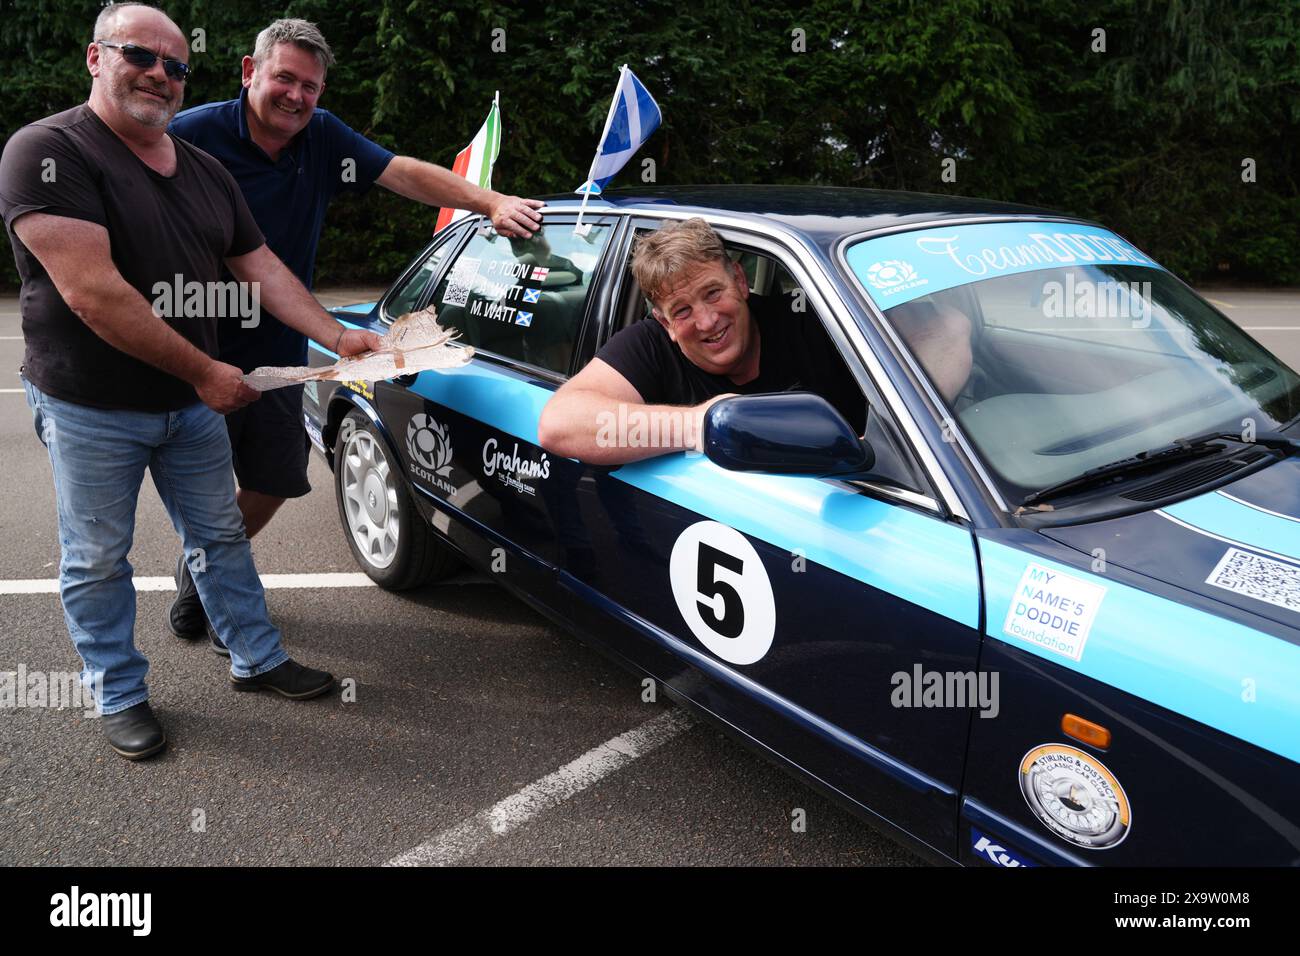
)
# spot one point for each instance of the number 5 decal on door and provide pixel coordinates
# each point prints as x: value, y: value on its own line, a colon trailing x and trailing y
x: 723, y: 592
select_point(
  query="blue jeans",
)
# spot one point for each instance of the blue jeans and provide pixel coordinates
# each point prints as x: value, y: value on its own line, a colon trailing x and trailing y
x: 99, y: 458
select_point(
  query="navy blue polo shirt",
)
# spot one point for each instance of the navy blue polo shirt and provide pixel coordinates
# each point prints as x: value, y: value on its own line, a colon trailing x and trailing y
x: 288, y: 198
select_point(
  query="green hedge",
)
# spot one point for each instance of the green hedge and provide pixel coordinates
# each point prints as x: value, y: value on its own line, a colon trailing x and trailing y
x: 1148, y: 136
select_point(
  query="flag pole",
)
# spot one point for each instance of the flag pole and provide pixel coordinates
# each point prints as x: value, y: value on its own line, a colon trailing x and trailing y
x: 492, y: 159
x: 488, y: 228
x: 496, y: 105
x: 578, y: 228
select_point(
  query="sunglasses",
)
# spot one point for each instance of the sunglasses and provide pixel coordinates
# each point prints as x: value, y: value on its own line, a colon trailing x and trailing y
x: 138, y: 56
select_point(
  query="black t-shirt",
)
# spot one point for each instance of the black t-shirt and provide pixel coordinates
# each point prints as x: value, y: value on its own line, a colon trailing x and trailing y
x: 795, y: 354
x: 71, y: 164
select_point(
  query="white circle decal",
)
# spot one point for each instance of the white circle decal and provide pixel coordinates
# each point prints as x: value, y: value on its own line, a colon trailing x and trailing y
x: 723, y: 592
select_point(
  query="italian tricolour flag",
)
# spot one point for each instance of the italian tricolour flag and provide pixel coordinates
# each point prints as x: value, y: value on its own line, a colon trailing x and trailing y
x: 474, y: 162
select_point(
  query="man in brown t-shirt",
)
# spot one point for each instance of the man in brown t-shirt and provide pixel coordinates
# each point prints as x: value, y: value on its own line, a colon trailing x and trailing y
x: 120, y: 233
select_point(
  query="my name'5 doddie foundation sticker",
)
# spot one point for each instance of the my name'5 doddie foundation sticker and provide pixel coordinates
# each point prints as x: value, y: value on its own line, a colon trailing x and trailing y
x: 1075, y: 796
x: 1053, y: 610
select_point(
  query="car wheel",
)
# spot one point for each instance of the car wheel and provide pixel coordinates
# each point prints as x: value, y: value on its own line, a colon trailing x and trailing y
x: 389, y: 538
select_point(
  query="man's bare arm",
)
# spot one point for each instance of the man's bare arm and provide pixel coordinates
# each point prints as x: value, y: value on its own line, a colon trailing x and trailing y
x: 78, y: 257
x: 291, y: 303
x: 435, y: 186
x: 599, y: 417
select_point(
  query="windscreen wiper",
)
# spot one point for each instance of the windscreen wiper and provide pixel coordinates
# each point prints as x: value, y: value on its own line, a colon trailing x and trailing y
x: 1181, y: 449
x: 1268, y: 439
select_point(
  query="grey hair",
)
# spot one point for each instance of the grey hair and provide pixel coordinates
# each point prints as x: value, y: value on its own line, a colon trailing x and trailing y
x: 104, y: 23
x: 662, y: 255
x: 300, y: 33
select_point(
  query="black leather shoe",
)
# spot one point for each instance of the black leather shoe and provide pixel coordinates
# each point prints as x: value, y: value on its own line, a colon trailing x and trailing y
x: 218, y: 646
x: 290, y: 679
x: 186, y: 618
x: 134, y: 733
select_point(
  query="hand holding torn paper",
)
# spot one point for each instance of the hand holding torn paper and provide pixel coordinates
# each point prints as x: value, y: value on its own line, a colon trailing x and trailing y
x: 414, y: 343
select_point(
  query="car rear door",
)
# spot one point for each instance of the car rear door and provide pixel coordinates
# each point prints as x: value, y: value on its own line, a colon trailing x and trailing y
x: 467, y: 437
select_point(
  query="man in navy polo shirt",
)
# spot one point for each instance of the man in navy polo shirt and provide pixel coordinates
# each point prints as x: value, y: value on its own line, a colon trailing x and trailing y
x: 290, y: 159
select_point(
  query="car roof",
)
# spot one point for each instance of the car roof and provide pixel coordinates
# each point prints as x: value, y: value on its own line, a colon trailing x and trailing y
x: 821, y: 214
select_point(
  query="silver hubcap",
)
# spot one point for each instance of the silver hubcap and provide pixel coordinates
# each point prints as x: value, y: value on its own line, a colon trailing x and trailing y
x: 370, y: 498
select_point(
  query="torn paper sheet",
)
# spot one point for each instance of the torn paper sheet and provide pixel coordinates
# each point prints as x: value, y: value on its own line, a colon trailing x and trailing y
x: 414, y: 343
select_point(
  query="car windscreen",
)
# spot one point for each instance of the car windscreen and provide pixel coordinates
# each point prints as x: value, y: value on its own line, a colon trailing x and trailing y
x: 1061, y: 348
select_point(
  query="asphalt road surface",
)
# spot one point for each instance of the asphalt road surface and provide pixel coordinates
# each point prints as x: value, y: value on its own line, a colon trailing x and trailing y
x: 479, y: 733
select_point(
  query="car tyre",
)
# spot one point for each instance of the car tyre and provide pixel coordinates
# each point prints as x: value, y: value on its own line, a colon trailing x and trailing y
x: 388, y: 536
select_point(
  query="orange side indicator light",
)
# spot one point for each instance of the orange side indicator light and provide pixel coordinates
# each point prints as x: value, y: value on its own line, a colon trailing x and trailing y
x: 1085, y: 730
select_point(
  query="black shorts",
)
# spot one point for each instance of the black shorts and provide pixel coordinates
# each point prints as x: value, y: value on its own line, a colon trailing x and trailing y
x: 270, y: 445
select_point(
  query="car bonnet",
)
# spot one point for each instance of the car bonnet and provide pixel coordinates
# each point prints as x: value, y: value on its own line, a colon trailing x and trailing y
x: 1238, y: 545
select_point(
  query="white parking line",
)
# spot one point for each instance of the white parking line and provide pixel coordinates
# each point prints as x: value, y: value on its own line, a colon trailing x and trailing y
x: 452, y: 846
x: 269, y: 581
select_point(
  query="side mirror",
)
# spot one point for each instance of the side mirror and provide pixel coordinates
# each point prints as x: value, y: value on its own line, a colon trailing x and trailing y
x: 784, y: 433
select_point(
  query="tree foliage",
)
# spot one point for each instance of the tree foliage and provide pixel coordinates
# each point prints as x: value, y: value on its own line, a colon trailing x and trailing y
x: 1148, y: 135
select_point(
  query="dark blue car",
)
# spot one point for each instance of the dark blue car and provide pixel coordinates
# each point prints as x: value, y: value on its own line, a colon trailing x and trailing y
x: 1054, y: 619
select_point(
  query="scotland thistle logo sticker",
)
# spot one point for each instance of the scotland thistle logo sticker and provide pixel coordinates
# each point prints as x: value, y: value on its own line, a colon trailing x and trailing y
x: 890, y: 273
x: 428, y: 444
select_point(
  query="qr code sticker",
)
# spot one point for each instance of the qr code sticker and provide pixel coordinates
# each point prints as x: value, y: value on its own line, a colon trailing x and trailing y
x: 1258, y: 577
x: 460, y: 282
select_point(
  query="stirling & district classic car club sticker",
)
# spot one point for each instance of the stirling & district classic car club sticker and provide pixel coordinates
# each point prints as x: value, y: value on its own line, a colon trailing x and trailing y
x: 1075, y: 796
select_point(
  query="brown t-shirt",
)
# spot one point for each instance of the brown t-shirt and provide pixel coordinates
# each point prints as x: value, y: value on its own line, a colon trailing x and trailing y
x: 160, y: 227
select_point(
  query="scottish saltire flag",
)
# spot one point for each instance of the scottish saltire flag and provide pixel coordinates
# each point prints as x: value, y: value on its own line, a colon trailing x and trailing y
x: 474, y: 162
x: 633, y: 116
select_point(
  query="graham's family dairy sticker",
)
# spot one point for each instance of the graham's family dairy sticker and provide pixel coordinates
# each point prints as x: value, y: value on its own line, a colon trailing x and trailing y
x: 520, y: 472
x: 1075, y: 796
x: 1052, y: 610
